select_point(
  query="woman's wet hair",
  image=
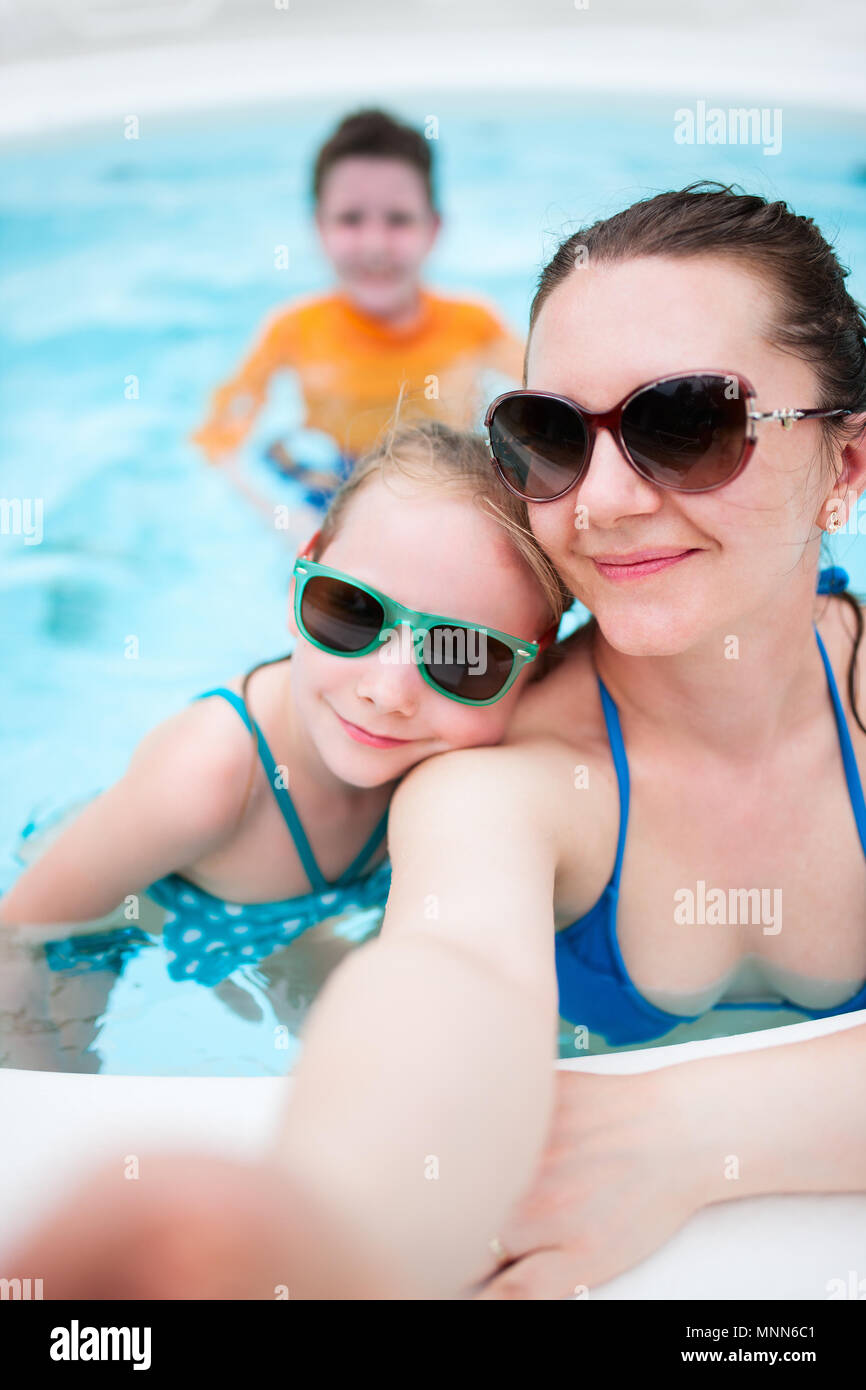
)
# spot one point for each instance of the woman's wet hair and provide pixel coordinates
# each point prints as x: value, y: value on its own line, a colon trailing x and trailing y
x: 373, y: 134
x: 814, y: 317
x: 435, y: 455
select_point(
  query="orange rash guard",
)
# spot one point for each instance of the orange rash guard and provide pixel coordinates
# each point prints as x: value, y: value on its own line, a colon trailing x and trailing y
x: 351, y: 368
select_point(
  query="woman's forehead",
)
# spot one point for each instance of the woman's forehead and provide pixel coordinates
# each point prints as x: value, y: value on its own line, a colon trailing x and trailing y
x: 611, y: 327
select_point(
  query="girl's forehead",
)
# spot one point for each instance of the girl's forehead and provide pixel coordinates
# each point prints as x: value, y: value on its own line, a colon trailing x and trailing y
x: 432, y: 550
x: 412, y: 519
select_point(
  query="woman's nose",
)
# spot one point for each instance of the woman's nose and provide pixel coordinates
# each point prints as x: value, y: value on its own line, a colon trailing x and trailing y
x: 611, y: 488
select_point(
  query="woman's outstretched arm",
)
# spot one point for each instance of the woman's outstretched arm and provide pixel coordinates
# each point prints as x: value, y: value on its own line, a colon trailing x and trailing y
x: 630, y: 1158
x: 424, y: 1091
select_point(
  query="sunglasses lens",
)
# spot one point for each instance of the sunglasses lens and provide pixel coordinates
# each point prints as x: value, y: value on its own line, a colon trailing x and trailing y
x: 539, y: 445
x: 688, y: 433
x: 467, y: 663
x: 340, y: 616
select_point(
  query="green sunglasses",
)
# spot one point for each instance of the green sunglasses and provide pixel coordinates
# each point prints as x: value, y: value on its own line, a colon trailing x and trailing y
x: 466, y: 662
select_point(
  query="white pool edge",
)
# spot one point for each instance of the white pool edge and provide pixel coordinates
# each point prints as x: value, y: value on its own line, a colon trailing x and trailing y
x: 766, y: 68
x: 737, y: 1250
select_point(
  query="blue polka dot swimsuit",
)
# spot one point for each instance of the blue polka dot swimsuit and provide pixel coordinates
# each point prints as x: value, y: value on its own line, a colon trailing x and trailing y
x: 205, y: 938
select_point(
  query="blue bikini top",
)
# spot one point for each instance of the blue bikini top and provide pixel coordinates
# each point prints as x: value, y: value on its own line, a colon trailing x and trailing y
x: 206, y: 938
x: 595, y: 989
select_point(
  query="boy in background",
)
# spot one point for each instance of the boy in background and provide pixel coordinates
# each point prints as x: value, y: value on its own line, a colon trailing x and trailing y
x: 379, y: 336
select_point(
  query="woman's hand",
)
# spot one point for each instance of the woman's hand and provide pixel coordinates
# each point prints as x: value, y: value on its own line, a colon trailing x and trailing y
x: 615, y: 1182
x: 630, y: 1158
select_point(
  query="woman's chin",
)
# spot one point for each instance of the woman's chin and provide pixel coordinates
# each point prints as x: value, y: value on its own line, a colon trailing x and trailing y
x: 643, y: 631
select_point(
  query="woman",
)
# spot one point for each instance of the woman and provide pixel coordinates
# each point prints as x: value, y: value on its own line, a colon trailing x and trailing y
x: 690, y: 736
x: 735, y: 763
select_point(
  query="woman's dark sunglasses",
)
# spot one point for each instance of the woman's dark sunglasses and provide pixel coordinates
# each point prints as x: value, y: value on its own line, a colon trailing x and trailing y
x: 690, y: 433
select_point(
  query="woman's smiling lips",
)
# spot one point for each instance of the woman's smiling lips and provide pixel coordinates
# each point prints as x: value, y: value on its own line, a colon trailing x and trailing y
x: 638, y: 563
x: 373, y: 740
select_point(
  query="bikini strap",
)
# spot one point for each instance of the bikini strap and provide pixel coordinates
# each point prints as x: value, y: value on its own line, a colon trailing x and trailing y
x: 372, y: 844
x: 852, y: 772
x: 281, y: 793
x: 620, y: 762
x: 831, y: 580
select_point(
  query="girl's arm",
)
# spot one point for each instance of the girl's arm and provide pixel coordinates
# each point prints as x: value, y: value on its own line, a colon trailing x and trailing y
x: 180, y: 797
x: 424, y: 1089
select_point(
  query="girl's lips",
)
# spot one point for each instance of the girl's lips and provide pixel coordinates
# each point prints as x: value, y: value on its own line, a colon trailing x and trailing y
x: 373, y: 740
x: 637, y: 566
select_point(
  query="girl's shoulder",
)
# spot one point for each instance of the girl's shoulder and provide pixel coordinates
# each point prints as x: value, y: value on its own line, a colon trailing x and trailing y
x: 201, y: 758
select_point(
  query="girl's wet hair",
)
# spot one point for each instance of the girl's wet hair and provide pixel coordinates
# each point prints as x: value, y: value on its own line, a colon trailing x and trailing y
x: 814, y: 317
x: 436, y: 455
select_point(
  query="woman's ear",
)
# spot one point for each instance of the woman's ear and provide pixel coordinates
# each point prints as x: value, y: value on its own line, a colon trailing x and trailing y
x: 851, y: 482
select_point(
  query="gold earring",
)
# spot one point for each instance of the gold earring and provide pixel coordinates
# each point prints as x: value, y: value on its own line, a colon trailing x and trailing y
x: 834, y: 522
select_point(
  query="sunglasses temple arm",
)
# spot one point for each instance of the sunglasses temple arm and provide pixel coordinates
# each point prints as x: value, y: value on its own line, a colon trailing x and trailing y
x: 790, y: 417
x: 307, y: 552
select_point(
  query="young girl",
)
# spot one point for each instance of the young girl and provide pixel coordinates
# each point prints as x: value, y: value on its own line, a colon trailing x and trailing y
x: 261, y: 808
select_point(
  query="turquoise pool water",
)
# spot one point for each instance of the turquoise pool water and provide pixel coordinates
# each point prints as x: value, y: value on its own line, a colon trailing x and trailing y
x: 153, y: 260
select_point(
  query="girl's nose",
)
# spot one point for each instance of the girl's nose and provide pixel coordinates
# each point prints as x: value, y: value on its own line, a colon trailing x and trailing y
x: 389, y: 678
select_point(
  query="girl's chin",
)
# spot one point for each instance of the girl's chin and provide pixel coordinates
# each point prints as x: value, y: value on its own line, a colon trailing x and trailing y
x: 368, y: 768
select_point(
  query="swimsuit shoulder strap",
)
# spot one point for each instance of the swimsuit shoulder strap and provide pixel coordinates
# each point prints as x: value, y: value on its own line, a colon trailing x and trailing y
x: 278, y: 787
x: 620, y: 762
x: 369, y: 849
x: 830, y: 581
x: 852, y: 772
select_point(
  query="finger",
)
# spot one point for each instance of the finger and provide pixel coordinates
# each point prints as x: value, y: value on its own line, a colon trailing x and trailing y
x: 491, y: 1263
x: 545, y: 1274
x: 520, y: 1236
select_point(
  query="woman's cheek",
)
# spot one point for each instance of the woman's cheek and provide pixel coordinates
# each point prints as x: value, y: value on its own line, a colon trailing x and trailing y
x: 553, y: 525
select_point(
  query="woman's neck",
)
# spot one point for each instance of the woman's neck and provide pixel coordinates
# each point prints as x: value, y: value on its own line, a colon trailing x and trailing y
x: 736, y: 694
